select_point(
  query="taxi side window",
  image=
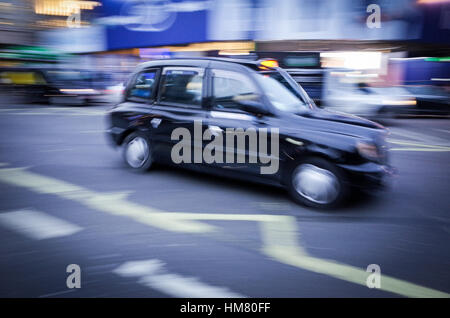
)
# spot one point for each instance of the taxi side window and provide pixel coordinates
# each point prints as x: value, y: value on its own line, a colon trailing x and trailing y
x: 183, y: 85
x: 229, y: 88
x: 143, y: 86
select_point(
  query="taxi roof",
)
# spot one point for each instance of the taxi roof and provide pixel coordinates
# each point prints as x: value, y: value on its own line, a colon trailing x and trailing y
x: 202, y: 62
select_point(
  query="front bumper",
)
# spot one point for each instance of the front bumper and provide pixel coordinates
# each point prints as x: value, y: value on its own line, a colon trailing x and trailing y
x: 369, y: 175
x: 115, y: 136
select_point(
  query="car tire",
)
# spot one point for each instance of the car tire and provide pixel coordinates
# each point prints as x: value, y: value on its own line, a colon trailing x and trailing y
x: 317, y: 183
x: 84, y: 102
x: 137, y: 152
x: 52, y: 101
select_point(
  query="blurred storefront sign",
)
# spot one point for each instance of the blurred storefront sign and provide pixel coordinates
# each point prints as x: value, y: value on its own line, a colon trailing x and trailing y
x: 149, y: 53
x: 137, y: 23
x: 352, y: 60
x: 140, y: 23
x: 423, y: 70
x: 436, y: 26
x: 126, y: 24
x: 334, y: 20
x: 75, y: 40
x: 16, y: 55
x: 63, y: 7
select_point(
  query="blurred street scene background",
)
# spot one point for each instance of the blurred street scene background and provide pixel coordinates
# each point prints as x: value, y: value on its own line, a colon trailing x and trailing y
x: 63, y: 63
x: 380, y: 59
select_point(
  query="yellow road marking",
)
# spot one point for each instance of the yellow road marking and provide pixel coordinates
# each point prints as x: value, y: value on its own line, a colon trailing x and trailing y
x: 413, y: 146
x: 280, y: 238
x: 420, y: 149
x: 350, y: 273
x: 112, y: 203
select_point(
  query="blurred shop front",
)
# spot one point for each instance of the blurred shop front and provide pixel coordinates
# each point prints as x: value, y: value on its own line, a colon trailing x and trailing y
x: 314, y: 40
x: 296, y: 32
x: 117, y: 26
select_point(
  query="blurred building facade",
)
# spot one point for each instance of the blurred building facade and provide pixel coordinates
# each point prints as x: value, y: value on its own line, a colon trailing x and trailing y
x: 15, y: 26
x: 114, y: 35
x: 88, y: 26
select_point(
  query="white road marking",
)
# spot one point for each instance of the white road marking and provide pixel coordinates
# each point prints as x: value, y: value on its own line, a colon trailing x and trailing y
x: 442, y: 130
x: 151, y: 273
x: 54, y: 113
x: 37, y: 225
x: 58, y: 293
x: 139, y: 268
x: 66, y: 111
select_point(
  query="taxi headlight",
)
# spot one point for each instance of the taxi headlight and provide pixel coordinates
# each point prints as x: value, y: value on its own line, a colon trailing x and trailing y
x: 368, y: 150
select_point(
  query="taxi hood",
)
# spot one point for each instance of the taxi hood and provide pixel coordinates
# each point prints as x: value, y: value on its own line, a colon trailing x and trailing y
x: 339, y: 117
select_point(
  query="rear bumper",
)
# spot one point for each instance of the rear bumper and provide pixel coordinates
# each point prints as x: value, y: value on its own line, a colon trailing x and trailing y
x: 369, y: 175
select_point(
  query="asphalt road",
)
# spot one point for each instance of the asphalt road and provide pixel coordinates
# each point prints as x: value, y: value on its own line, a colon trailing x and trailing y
x: 67, y: 198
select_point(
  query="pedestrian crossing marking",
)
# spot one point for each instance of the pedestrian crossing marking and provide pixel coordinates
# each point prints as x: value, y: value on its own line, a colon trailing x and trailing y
x: 37, y: 225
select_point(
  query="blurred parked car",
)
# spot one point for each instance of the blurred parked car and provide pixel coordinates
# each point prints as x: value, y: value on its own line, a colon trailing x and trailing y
x: 370, y: 102
x: 431, y: 100
x: 57, y: 85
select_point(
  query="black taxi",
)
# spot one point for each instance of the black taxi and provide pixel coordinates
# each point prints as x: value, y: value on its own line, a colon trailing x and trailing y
x: 248, y: 120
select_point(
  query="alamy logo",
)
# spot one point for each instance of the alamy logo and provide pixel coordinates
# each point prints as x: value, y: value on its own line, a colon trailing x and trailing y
x: 74, y: 18
x: 232, y: 145
x: 74, y: 279
x: 374, y: 19
x: 374, y: 278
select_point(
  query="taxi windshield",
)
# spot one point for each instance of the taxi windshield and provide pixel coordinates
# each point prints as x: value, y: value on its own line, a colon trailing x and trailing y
x: 282, y: 94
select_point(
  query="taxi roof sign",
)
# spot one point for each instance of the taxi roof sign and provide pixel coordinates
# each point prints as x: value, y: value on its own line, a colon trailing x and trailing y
x: 268, y: 63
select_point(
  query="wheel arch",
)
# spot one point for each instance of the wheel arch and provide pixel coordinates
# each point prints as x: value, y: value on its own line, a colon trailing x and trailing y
x: 328, y: 154
x: 128, y: 132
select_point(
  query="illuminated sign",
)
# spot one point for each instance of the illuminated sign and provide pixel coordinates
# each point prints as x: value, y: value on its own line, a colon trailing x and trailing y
x: 63, y: 7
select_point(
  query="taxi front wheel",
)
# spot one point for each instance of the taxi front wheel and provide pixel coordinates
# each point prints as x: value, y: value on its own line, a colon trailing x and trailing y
x: 317, y: 183
x: 137, y: 151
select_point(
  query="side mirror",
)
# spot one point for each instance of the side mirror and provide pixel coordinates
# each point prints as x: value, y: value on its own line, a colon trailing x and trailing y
x: 252, y: 106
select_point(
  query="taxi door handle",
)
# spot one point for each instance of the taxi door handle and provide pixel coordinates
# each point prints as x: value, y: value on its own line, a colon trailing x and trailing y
x: 215, y: 130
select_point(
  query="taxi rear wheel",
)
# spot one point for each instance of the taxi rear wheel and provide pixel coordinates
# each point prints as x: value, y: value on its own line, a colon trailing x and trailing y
x: 317, y: 183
